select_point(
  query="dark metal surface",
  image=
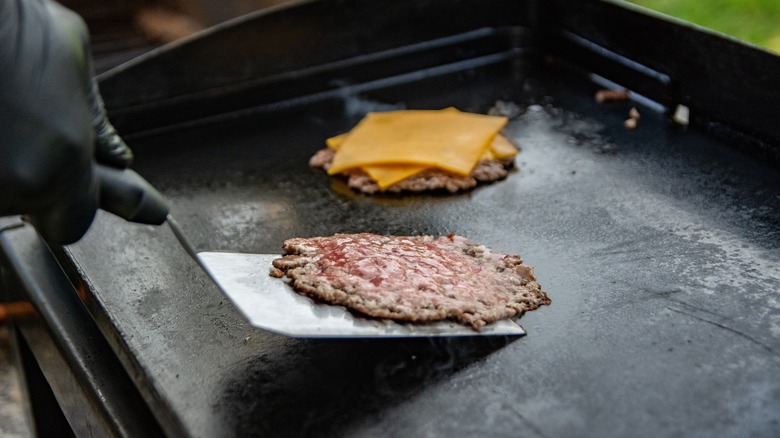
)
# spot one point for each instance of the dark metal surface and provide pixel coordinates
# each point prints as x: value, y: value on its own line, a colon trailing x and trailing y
x: 61, y: 343
x: 660, y: 247
x: 43, y: 413
x: 261, y: 62
x: 722, y: 81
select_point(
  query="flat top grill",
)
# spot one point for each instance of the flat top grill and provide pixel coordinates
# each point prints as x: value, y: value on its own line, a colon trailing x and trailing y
x: 658, y: 246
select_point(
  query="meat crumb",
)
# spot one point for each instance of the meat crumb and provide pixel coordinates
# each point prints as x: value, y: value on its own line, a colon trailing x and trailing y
x: 633, y: 119
x: 608, y: 95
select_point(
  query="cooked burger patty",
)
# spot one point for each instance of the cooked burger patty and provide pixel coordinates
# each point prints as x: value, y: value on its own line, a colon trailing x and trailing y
x: 412, y: 278
x: 485, y: 171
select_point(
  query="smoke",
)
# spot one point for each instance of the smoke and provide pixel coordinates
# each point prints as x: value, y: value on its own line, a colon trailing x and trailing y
x: 357, y: 106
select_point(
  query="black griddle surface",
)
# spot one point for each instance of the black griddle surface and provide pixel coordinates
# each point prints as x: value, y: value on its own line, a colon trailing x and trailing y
x: 658, y: 247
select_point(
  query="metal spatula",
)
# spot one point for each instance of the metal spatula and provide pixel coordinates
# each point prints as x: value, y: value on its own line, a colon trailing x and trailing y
x: 268, y: 303
x: 271, y: 304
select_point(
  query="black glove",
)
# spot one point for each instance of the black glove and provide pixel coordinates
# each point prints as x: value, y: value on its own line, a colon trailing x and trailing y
x: 53, y: 127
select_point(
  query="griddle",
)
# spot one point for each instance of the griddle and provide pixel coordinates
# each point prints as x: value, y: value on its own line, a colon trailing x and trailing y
x: 658, y: 246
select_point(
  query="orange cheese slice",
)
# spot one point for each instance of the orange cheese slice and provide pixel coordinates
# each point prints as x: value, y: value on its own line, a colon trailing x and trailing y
x: 388, y: 174
x: 446, y: 139
x: 384, y: 174
x: 500, y: 149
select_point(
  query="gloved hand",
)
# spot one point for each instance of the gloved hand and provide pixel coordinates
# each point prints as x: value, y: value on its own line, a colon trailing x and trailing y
x: 53, y: 127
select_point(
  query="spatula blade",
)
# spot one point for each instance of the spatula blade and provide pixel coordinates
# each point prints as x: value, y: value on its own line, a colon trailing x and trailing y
x: 271, y: 304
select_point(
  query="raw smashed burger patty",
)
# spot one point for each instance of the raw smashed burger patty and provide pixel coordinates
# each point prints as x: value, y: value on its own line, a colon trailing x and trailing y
x: 412, y: 278
x: 486, y: 171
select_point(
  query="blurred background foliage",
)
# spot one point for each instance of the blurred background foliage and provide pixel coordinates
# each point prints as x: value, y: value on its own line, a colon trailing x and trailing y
x: 755, y: 21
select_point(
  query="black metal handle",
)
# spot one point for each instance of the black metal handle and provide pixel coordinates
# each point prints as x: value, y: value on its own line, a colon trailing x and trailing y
x: 127, y: 195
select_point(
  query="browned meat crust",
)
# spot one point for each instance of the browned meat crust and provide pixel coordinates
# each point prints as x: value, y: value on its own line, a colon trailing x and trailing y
x: 486, y: 171
x: 412, y: 278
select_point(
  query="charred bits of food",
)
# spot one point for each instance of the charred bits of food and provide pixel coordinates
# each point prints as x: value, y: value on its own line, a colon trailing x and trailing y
x: 609, y: 95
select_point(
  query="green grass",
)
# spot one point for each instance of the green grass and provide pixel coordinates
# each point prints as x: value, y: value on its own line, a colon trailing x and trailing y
x: 755, y: 21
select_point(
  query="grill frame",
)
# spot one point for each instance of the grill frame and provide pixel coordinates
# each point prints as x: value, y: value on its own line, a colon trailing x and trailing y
x: 203, y: 371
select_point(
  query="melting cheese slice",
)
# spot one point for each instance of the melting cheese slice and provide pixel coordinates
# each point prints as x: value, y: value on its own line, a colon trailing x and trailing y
x: 388, y: 174
x: 446, y: 139
x: 500, y: 149
x: 384, y: 174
